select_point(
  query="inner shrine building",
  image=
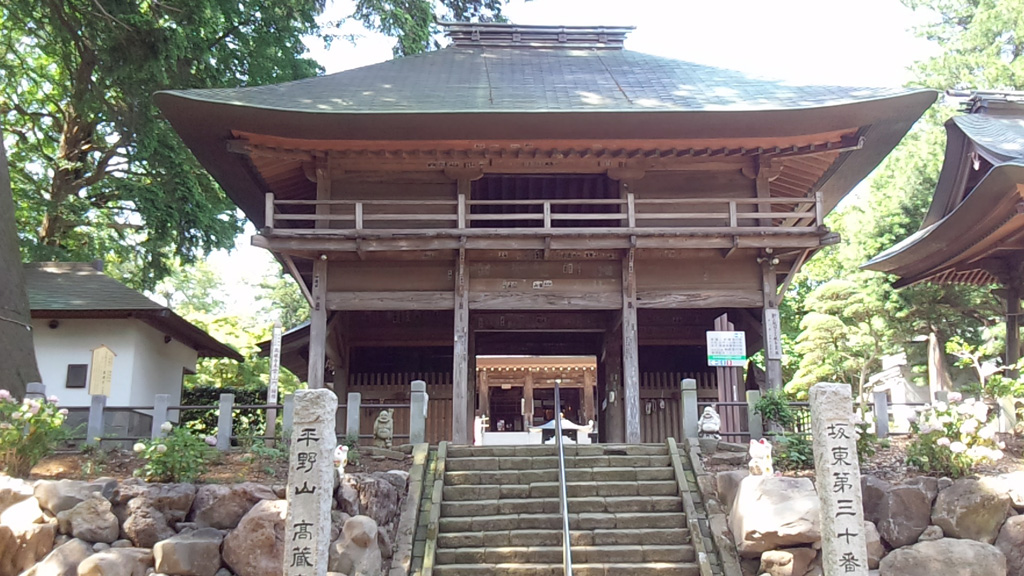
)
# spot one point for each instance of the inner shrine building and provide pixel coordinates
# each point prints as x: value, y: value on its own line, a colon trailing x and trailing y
x: 534, y: 191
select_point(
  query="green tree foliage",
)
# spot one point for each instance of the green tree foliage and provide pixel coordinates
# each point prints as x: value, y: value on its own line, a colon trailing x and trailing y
x: 413, y: 22
x: 95, y: 170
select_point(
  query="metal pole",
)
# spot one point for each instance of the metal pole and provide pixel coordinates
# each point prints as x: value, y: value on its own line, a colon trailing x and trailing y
x: 564, y: 501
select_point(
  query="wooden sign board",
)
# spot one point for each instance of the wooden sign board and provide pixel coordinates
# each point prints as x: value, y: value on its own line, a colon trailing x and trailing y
x: 773, y: 336
x: 101, y: 372
x: 726, y: 348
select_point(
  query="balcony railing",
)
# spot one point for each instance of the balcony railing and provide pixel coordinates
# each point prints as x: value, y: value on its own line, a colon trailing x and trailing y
x: 629, y: 215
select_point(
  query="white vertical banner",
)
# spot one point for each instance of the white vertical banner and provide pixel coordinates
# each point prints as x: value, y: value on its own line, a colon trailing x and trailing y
x: 275, y: 374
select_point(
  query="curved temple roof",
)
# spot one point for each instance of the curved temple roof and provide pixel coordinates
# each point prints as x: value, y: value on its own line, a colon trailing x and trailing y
x: 968, y: 226
x: 528, y: 91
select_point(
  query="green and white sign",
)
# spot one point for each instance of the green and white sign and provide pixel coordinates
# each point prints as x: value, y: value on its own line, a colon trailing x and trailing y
x: 727, y: 348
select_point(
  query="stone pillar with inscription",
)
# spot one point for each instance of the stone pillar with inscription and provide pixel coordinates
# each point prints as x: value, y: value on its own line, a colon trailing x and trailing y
x: 837, y: 472
x: 310, y: 483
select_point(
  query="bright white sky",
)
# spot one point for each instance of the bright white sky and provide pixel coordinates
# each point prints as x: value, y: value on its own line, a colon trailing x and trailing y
x: 862, y: 43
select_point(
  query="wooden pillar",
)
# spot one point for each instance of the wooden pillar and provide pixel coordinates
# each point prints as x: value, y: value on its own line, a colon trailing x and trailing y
x: 471, y: 386
x: 772, y: 328
x: 588, y: 396
x: 318, y: 324
x: 630, y: 351
x: 615, y: 429
x: 484, y: 394
x: 528, y: 401
x: 460, y: 356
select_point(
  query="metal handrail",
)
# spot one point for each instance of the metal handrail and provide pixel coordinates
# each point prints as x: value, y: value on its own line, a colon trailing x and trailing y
x: 563, y: 499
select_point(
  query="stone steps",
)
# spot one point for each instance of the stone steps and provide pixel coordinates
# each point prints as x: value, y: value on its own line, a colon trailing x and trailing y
x: 599, y: 474
x: 551, y: 490
x: 553, y: 554
x: 615, y: 569
x: 500, y: 512
x: 553, y: 521
x: 577, y: 537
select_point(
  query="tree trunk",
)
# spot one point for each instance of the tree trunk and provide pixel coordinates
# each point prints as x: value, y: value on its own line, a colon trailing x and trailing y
x: 17, y: 354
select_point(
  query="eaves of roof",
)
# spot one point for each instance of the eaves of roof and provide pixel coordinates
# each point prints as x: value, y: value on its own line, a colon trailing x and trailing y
x: 989, y: 209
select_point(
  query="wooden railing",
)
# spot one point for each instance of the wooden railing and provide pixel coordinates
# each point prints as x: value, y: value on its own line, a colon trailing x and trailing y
x: 699, y: 215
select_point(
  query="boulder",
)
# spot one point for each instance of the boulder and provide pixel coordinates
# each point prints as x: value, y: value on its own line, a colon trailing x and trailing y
x: 1015, y: 489
x: 398, y: 478
x: 118, y: 562
x: 876, y: 550
x: 356, y: 553
x: 60, y: 495
x: 970, y: 509
x: 347, y: 495
x: 173, y: 501
x: 145, y: 525
x: 773, y: 512
x: 91, y: 520
x: 873, y: 490
x: 945, y: 557
x: 1011, y: 543
x: 929, y: 484
x: 222, y: 506
x: 378, y: 499
x: 194, y: 553
x: 256, y: 546
x: 63, y: 560
x: 100, y: 546
x: 787, y: 562
x: 12, y: 491
x: 930, y: 533
x: 21, y: 547
x: 22, y: 513
x: 728, y: 483
x: 903, y: 514
x: 338, y: 519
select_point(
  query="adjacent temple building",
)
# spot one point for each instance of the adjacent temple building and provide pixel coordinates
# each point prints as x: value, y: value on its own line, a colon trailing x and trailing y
x: 539, y: 191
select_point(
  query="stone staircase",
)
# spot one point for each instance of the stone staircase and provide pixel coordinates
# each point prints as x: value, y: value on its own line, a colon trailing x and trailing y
x: 498, y: 512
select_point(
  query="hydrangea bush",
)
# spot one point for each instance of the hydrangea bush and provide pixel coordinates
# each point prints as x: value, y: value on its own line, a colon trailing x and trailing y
x: 180, y: 456
x: 29, y: 430
x: 950, y: 439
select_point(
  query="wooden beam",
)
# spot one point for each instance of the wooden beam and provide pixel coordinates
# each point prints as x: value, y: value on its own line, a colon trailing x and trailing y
x: 294, y: 271
x: 460, y: 355
x: 575, y: 321
x: 801, y: 258
x: 528, y: 401
x: 720, y: 298
x: 630, y: 350
x: 398, y: 300
x: 318, y: 325
x: 589, y: 410
x: 763, y: 187
x: 542, y: 300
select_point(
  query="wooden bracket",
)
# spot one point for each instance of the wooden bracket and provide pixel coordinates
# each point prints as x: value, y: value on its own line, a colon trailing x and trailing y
x: 457, y: 173
x: 626, y: 173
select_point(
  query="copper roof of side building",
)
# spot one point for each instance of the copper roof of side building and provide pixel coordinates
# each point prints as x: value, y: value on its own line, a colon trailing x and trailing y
x: 79, y: 290
x: 976, y: 218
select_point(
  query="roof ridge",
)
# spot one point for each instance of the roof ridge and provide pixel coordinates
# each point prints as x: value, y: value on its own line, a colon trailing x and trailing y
x: 535, y: 36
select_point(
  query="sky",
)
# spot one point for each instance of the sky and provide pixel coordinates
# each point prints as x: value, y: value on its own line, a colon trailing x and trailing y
x: 827, y: 42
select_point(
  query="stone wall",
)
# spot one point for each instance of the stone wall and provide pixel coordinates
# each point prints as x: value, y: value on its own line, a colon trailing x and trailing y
x: 922, y: 527
x: 133, y: 528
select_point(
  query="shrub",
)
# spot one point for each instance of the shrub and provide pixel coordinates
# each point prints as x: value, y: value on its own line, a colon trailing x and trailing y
x: 867, y: 441
x: 793, y: 452
x: 774, y: 407
x: 181, y: 456
x: 950, y: 439
x: 29, y: 430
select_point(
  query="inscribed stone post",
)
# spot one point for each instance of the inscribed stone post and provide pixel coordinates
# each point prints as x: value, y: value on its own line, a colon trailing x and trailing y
x: 310, y: 483
x: 837, y: 471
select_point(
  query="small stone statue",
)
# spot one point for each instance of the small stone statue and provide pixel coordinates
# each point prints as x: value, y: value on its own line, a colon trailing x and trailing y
x: 384, y: 429
x: 761, y: 458
x: 709, y: 424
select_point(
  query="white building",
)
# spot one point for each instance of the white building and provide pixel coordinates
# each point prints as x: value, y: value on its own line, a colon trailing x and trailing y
x: 76, y: 308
